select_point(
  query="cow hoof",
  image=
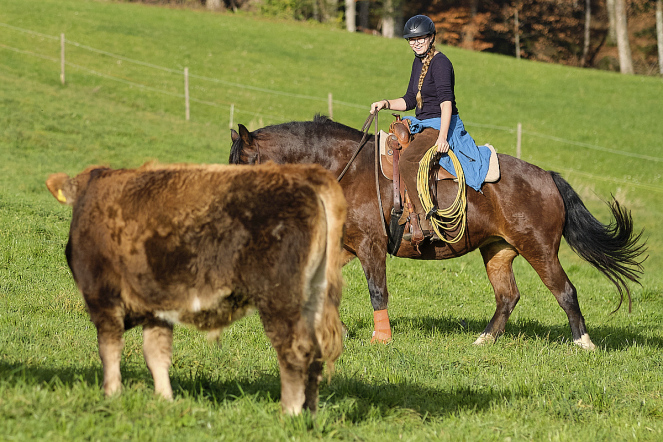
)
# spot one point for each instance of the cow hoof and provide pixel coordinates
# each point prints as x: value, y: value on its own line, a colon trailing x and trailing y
x: 380, y: 337
x: 112, y: 388
x: 165, y: 395
x: 484, y: 338
x: 585, y: 343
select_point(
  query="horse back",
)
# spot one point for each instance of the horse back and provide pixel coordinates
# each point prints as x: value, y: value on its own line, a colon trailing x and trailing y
x: 524, y: 201
x: 524, y: 205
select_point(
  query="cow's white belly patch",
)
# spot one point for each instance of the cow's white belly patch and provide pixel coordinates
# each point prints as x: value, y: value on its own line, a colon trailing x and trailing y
x: 170, y: 316
x: 200, y: 302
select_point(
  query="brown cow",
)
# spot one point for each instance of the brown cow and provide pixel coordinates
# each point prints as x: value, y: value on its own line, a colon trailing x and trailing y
x: 205, y: 245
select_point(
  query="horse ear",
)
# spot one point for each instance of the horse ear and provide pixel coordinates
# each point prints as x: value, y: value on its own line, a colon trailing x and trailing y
x: 233, y: 135
x: 246, y: 135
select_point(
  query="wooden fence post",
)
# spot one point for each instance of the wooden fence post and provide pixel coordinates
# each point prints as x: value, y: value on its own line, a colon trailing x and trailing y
x: 519, y: 137
x: 330, y: 106
x: 516, y: 26
x: 62, y: 58
x: 232, y: 114
x: 186, y: 93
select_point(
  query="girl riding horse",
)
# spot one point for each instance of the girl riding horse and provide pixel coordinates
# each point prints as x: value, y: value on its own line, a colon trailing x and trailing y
x: 431, y: 92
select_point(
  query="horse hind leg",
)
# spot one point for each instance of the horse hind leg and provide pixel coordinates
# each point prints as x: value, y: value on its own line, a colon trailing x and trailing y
x: 498, y: 258
x: 553, y: 276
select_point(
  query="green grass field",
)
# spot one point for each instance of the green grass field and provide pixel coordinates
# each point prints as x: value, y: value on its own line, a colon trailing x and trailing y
x: 601, y: 130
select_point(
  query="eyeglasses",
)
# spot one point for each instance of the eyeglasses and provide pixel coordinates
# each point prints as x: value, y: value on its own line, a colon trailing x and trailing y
x: 419, y: 40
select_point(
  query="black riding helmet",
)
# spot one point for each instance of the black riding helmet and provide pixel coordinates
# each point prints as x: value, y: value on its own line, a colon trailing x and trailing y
x: 419, y: 26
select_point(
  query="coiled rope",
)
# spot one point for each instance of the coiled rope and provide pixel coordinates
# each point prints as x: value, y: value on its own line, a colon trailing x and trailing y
x: 454, y: 216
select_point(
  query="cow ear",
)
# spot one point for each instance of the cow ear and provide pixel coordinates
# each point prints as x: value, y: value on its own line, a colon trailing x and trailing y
x: 246, y: 135
x: 234, y: 136
x: 62, y: 188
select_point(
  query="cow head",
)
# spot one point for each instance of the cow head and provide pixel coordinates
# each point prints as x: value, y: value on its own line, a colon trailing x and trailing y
x: 66, y: 189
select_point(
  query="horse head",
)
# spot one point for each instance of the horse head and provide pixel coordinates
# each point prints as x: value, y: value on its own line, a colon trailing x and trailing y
x: 244, y: 149
x: 320, y: 141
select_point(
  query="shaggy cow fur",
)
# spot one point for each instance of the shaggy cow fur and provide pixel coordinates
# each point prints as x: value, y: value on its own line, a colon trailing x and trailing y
x: 205, y: 245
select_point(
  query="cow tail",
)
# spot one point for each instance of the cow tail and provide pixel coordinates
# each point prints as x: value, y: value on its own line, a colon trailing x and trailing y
x: 328, y: 328
x: 614, y: 249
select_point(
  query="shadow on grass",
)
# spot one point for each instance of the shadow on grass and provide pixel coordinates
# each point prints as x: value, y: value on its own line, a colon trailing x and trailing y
x: 388, y: 398
x: 356, y: 399
x: 611, y: 338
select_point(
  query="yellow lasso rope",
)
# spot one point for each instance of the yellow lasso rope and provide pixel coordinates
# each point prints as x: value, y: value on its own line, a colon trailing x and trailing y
x: 454, y: 216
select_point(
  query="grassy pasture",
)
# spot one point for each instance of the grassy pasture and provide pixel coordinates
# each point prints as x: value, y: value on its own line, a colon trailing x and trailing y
x: 602, y: 131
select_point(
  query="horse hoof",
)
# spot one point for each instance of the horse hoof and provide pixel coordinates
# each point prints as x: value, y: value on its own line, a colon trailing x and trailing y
x: 380, y: 337
x: 484, y: 338
x: 585, y: 343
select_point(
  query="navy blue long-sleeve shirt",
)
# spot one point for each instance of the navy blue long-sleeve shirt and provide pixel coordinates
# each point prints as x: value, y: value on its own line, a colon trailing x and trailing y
x: 438, y: 87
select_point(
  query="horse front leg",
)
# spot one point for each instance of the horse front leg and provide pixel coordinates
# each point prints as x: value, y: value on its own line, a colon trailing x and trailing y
x: 374, y: 263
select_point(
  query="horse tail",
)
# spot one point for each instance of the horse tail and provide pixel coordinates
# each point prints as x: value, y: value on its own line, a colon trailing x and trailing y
x: 613, y: 249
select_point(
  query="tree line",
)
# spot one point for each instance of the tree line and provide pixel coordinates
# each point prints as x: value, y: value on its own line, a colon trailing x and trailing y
x: 620, y: 35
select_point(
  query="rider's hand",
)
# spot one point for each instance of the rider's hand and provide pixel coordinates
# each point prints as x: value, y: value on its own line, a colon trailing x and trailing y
x: 442, y: 145
x: 378, y: 106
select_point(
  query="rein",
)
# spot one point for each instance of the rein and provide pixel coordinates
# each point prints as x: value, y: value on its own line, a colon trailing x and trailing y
x: 364, y: 129
x: 367, y: 125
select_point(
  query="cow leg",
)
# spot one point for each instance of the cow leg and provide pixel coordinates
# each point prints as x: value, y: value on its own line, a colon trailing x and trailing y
x: 157, y: 350
x: 312, y: 386
x: 498, y: 258
x: 374, y: 264
x: 293, y: 343
x: 293, y: 378
x: 110, y: 331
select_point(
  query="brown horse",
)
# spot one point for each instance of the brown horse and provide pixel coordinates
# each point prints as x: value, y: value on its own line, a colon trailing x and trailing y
x: 525, y: 213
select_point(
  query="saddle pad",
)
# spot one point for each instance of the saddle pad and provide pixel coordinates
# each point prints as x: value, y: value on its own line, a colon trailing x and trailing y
x: 386, y: 156
x: 492, y: 176
x: 387, y: 167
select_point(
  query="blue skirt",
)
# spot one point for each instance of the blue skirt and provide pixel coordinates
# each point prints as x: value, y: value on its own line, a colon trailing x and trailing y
x: 473, y: 159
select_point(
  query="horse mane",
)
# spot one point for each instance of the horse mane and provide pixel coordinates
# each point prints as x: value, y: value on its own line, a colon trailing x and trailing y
x: 321, y: 124
x: 320, y: 118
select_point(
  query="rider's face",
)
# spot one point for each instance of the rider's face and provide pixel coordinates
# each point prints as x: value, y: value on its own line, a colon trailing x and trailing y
x: 420, y: 44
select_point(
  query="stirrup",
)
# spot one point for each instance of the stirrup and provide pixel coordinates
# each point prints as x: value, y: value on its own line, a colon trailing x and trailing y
x: 432, y: 235
x: 428, y: 234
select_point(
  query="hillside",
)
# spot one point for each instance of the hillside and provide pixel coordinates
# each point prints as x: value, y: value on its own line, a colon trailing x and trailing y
x: 123, y: 104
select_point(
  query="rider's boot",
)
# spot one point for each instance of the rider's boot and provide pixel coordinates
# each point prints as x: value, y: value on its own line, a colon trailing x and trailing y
x: 420, y: 229
x: 415, y: 235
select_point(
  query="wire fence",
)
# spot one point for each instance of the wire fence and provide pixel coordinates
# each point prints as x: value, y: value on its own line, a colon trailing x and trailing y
x: 170, y: 90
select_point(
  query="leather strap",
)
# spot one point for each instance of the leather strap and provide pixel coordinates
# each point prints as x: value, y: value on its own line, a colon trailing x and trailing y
x: 377, y: 177
x: 398, y: 204
x: 364, y: 138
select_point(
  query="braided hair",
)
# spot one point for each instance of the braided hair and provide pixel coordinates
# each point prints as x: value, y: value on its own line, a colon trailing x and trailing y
x: 424, y: 71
